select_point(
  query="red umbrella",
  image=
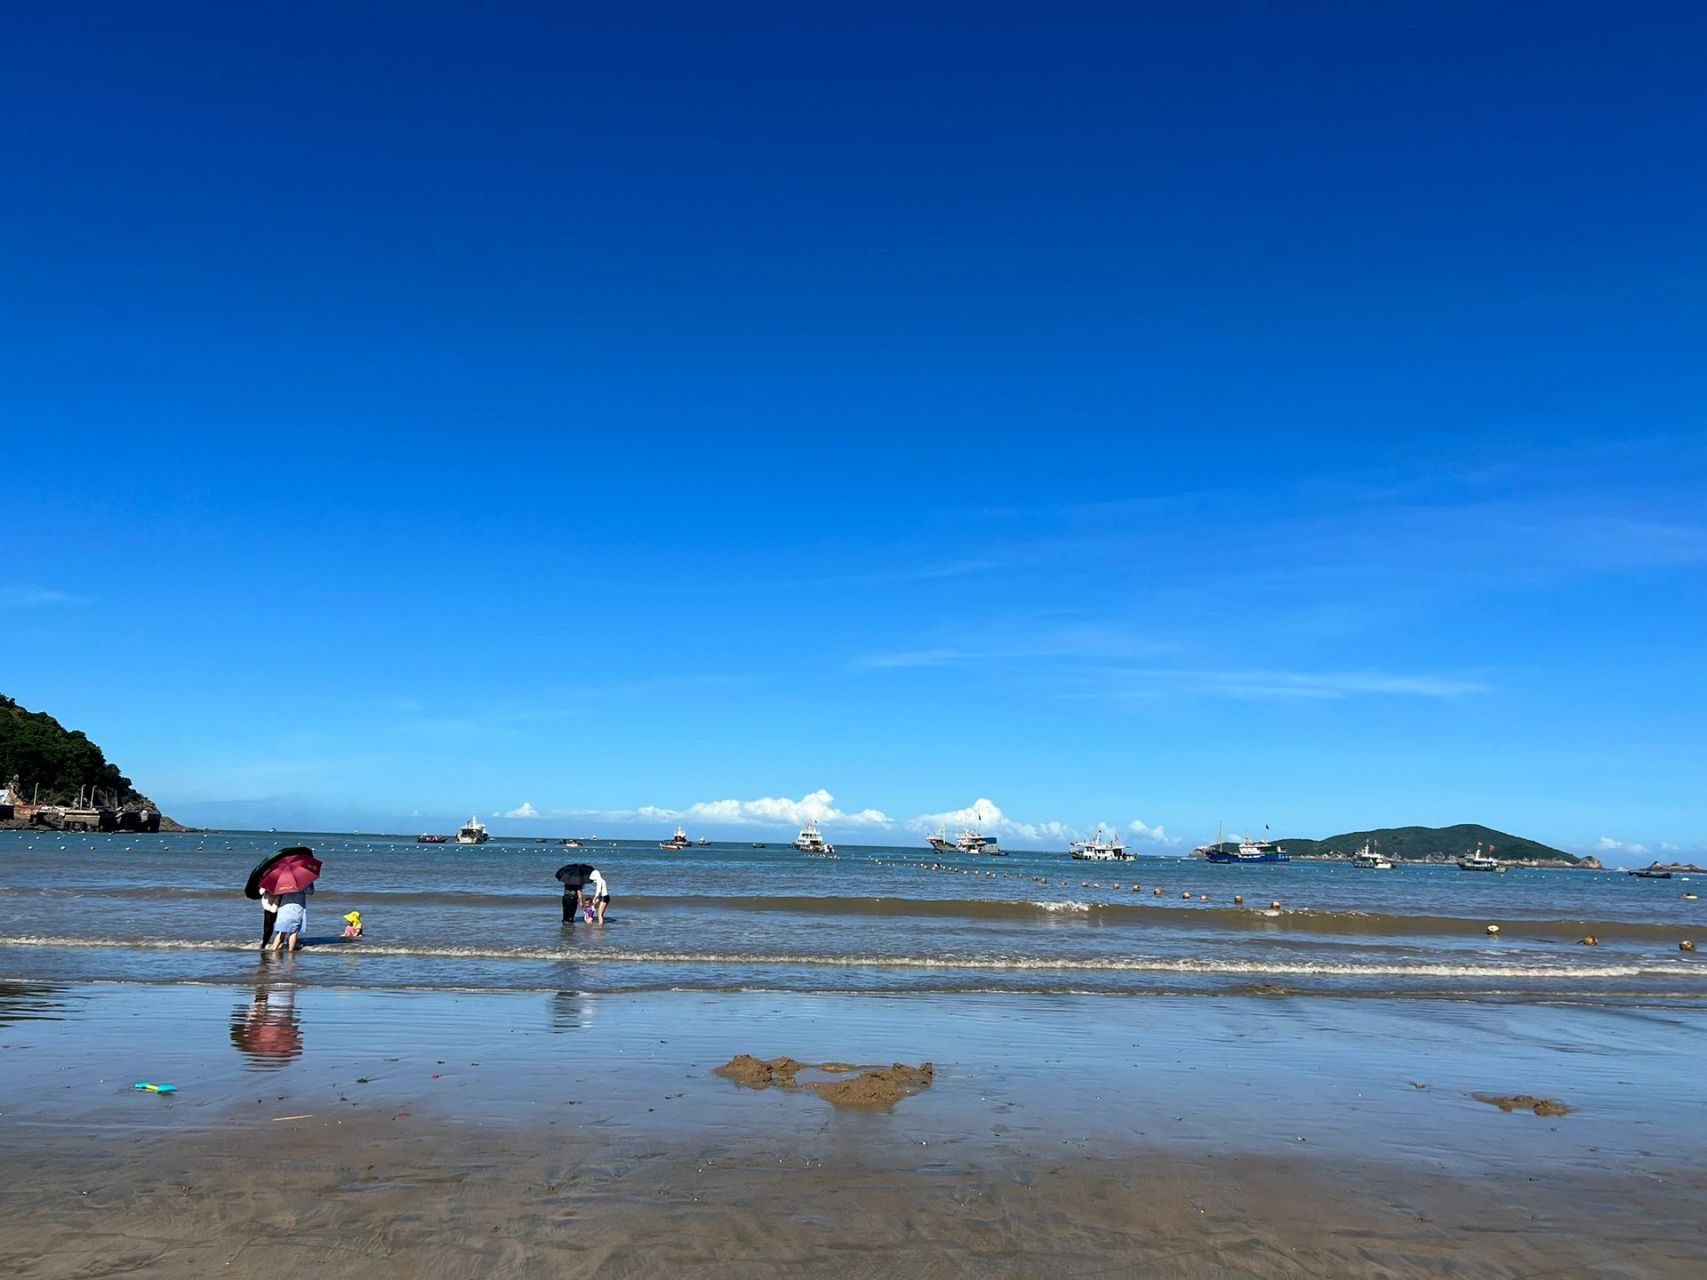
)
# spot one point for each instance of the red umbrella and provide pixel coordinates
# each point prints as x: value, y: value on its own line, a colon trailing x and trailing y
x: 291, y: 874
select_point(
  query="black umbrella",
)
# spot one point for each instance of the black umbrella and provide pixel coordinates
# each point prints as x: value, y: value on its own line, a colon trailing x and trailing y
x: 253, y: 888
x: 575, y: 875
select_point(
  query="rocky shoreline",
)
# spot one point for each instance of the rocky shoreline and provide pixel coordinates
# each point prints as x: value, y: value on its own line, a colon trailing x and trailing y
x: 167, y: 825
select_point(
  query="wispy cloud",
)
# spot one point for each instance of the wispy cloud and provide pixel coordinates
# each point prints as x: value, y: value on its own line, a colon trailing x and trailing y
x: 38, y: 598
x: 915, y: 658
x: 1088, y: 641
x: 1155, y: 682
x: 1606, y: 844
x: 942, y: 571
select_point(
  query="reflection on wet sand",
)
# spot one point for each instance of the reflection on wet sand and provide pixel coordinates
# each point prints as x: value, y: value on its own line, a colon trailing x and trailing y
x: 34, y: 1002
x: 268, y: 1030
x: 572, y: 1010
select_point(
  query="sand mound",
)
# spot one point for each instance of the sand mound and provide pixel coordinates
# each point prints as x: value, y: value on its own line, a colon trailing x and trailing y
x: 760, y: 1073
x: 877, y: 1086
x: 871, y: 1087
x: 1523, y: 1102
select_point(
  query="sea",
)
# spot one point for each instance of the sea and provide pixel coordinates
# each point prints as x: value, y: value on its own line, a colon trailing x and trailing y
x: 169, y: 908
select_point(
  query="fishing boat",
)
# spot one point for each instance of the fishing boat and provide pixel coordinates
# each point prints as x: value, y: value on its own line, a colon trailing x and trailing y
x: 676, y: 843
x: 810, y: 841
x: 970, y: 840
x: 1370, y: 858
x: 1100, y: 849
x: 1479, y: 861
x: 570, y: 843
x: 703, y: 841
x: 1650, y: 873
x: 1250, y: 849
x: 431, y: 839
x: 473, y: 832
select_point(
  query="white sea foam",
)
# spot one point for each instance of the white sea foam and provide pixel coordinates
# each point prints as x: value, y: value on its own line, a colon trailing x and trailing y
x: 1505, y: 967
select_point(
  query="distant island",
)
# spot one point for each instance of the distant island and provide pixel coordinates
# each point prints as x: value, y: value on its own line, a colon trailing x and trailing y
x: 1439, y: 844
x: 51, y: 776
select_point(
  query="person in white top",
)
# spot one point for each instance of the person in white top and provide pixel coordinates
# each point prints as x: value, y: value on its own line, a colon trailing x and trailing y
x: 598, y: 893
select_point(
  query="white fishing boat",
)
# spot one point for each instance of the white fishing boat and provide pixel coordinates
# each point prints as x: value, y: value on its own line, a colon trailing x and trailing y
x: 1100, y: 848
x: 970, y: 840
x: 1479, y: 861
x: 1370, y: 858
x: 810, y: 841
x: 473, y: 832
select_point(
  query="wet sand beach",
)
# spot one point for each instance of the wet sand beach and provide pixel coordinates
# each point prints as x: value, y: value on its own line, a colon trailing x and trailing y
x: 391, y: 1133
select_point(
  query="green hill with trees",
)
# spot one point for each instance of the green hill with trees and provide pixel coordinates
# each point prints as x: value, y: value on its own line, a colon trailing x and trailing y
x: 54, y: 763
x: 1417, y: 843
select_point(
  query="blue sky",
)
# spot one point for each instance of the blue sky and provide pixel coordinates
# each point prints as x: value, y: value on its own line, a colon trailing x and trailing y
x: 1141, y: 415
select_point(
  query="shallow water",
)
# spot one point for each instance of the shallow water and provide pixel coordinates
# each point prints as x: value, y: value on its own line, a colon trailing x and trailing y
x: 169, y: 908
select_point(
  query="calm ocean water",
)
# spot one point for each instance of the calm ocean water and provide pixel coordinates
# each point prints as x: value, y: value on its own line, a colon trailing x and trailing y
x: 169, y: 909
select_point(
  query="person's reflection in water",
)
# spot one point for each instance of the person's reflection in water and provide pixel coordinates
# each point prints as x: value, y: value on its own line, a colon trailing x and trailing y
x: 268, y: 1031
x: 572, y: 1010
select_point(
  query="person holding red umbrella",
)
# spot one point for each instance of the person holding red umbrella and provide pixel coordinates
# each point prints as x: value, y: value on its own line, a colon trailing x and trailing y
x: 289, y: 877
x: 293, y: 915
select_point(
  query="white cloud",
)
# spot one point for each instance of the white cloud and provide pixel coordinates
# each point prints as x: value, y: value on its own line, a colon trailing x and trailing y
x: 816, y: 806
x: 1155, y: 834
x: 1606, y: 844
x: 523, y: 810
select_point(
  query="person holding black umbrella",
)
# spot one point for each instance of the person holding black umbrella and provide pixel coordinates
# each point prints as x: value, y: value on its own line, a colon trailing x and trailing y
x: 582, y: 883
x: 269, y: 918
